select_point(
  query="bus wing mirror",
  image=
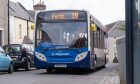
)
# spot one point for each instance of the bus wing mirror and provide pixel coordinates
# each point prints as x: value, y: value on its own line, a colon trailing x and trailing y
x: 93, y: 27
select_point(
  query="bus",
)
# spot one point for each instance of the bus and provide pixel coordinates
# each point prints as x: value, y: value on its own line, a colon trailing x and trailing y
x: 68, y: 39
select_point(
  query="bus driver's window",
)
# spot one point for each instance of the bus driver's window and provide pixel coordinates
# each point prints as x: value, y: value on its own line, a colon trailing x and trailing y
x: 45, y: 38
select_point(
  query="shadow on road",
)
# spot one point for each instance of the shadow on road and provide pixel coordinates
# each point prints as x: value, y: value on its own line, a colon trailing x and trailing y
x: 23, y: 70
x: 66, y: 72
x: 3, y: 73
x: 73, y: 72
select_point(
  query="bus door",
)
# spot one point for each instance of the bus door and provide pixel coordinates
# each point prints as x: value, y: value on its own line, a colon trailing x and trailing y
x: 92, y: 38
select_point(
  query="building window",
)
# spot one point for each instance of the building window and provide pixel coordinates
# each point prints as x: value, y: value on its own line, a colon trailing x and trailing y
x: 20, y: 31
x: 32, y: 27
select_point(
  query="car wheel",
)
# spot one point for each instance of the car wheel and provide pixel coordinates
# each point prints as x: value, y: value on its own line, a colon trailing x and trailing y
x: 10, y: 70
x: 28, y: 66
x: 15, y: 69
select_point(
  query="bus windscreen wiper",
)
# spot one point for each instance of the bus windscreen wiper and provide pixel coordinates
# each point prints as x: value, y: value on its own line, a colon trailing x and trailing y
x: 59, y: 47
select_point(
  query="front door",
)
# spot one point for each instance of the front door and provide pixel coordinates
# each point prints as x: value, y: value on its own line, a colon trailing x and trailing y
x: 4, y: 62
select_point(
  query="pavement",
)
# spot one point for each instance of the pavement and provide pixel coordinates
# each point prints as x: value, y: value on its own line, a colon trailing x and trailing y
x: 113, y: 76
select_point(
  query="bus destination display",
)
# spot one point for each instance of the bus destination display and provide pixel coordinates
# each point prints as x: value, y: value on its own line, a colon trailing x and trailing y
x: 62, y: 15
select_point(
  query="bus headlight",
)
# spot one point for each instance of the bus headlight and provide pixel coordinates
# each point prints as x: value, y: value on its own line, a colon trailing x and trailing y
x: 40, y: 56
x: 80, y: 56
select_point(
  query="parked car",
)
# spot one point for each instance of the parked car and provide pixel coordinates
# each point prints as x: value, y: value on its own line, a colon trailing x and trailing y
x: 21, y: 54
x: 6, y: 63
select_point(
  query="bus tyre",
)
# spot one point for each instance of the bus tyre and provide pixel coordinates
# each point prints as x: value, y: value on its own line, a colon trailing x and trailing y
x: 91, y: 69
x: 48, y: 70
x: 95, y: 66
x: 28, y: 66
x: 10, y: 70
x: 103, y: 66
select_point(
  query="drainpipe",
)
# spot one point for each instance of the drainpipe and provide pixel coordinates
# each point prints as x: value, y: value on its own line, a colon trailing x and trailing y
x: 8, y: 25
x: 27, y: 28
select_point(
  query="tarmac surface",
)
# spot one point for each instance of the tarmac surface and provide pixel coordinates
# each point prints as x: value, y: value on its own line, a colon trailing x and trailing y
x: 108, y: 75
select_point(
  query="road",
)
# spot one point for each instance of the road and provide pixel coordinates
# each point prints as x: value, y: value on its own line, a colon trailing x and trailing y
x: 57, y: 77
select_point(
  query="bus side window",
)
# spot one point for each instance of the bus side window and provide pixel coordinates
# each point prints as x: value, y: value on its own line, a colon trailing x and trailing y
x: 103, y: 39
x: 98, y: 37
x: 95, y: 39
x: 45, y: 37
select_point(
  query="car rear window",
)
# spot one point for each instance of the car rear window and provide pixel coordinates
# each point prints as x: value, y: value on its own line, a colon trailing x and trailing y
x: 2, y: 51
x: 12, y: 48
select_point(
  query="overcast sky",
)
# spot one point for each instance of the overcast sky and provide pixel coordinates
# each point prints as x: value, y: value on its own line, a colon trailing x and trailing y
x: 106, y: 11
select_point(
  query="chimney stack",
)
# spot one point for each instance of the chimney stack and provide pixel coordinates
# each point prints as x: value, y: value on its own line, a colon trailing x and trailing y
x: 40, y: 6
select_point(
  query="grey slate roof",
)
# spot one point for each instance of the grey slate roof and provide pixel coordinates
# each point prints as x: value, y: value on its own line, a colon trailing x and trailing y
x: 109, y: 26
x: 116, y: 29
x: 32, y: 13
x: 17, y: 10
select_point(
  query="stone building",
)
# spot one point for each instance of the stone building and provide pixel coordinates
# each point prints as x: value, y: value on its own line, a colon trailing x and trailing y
x: 21, y: 24
x: 3, y: 22
x: 115, y: 31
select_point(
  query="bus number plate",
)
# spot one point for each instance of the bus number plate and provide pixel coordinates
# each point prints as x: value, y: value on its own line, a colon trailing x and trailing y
x: 60, y: 65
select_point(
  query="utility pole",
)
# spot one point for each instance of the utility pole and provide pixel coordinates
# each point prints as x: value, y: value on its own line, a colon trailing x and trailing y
x: 132, y: 42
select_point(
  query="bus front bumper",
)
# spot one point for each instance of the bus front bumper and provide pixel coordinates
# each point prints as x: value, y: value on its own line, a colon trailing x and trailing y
x: 73, y: 65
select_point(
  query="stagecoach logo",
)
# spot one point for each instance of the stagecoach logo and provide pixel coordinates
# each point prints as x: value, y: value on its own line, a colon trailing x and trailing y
x: 60, y: 54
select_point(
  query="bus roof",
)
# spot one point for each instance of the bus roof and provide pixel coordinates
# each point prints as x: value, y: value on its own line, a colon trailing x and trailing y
x: 60, y: 10
x: 98, y: 23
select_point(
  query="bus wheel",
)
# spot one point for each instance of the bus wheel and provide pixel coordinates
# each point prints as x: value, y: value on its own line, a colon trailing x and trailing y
x: 91, y: 69
x: 103, y: 66
x: 95, y: 64
x: 49, y: 70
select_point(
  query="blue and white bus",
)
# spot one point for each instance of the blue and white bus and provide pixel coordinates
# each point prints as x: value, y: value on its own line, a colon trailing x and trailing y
x: 68, y: 39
